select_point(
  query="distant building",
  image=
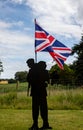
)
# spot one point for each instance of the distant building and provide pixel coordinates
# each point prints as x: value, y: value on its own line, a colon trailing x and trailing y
x: 3, y: 82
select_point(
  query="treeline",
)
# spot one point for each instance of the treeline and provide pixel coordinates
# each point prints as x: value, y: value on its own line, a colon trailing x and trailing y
x: 71, y: 75
x: 19, y: 76
x: 57, y: 76
x: 64, y: 77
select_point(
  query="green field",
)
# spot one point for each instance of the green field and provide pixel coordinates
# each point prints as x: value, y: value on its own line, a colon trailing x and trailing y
x: 58, y: 97
x: 65, y: 107
x: 59, y: 119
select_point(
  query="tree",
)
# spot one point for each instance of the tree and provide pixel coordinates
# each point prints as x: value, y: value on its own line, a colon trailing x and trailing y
x: 65, y: 76
x: 78, y: 64
x: 21, y: 76
x: 1, y: 68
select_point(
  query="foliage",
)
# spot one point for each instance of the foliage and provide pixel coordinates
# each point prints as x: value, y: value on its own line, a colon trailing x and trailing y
x: 65, y: 99
x: 65, y: 76
x: 1, y: 67
x: 78, y: 64
x: 21, y: 76
x: 11, y: 81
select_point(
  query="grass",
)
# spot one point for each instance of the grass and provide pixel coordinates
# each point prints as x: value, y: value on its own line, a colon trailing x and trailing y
x: 15, y: 100
x: 11, y: 119
x: 65, y: 108
x: 5, y: 88
x: 58, y: 98
x: 66, y: 99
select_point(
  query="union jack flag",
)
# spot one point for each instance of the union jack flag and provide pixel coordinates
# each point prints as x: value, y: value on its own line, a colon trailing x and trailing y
x: 46, y: 42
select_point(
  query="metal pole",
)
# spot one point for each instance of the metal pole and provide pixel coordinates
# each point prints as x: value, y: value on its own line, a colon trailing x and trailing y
x: 35, y: 46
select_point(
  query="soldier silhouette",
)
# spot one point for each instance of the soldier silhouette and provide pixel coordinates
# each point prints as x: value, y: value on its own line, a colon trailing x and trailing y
x: 38, y: 78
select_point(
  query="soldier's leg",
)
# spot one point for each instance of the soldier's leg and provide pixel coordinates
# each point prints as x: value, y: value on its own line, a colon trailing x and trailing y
x: 35, y: 110
x: 44, y: 110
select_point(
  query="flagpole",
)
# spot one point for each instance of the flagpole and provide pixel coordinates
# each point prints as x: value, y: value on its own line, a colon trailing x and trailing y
x: 35, y: 57
x: 35, y: 46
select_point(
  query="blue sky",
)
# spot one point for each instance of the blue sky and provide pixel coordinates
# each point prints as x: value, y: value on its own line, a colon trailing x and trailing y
x: 61, y: 18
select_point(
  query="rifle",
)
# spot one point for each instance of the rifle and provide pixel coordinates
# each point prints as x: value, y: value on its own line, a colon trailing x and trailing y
x: 28, y: 89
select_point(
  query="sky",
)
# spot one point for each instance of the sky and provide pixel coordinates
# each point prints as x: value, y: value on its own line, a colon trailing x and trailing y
x: 61, y: 18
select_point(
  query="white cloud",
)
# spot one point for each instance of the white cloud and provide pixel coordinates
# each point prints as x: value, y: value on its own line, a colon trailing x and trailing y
x: 18, y: 1
x: 4, y: 24
x: 10, y: 67
x: 14, y: 38
x: 54, y: 8
x: 15, y: 48
x: 61, y: 17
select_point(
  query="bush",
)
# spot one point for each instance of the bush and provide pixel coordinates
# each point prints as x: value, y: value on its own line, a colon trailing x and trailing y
x: 11, y: 81
x: 8, y: 100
